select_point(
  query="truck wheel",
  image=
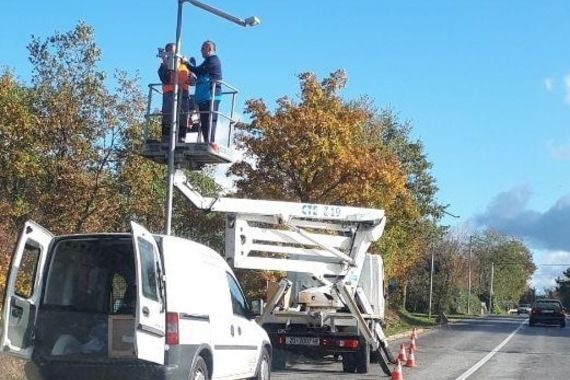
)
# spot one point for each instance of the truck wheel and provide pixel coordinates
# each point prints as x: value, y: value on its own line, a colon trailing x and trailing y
x: 279, y: 360
x: 362, y: 357
x: 348, y: 362
x: 200, y: 371
x: 264, y: 366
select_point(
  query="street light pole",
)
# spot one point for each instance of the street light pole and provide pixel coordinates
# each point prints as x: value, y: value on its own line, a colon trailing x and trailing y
x: 173, y: 125
x: 430, y: 285
x: 469, y: 277
x: 491, y: 288
x: 250, y: 21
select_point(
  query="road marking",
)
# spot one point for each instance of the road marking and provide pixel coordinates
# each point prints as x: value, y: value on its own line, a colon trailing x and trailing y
x: 487, y: 357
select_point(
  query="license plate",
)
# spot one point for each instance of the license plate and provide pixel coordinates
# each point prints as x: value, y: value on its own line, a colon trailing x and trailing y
x: 547, y: 311
x: 302, y: 340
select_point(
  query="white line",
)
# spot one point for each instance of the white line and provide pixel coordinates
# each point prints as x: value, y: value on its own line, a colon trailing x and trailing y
x: 487, y: 357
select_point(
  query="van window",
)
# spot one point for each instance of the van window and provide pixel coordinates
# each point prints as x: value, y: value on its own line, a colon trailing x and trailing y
x: 26, y: 275
x: 82, y: 274
x: 148, y: 270
x: 239, y: 304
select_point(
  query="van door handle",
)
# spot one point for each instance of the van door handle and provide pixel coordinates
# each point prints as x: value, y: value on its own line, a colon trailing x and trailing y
x: 232, y: 330
x: 145, y: 311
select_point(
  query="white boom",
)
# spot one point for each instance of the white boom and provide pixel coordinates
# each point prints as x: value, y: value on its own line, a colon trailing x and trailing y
x: 288, y: 236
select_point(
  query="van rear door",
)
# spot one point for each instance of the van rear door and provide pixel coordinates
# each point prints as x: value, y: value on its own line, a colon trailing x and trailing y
x: 151, y: 309
x: 23, y: 290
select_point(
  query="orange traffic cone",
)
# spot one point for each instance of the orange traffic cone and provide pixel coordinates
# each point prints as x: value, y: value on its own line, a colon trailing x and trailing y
x: 397, y: 371
x: 411, y: 358
x: 413, y: 344
x: 414, y: 334
x: 402, y: 354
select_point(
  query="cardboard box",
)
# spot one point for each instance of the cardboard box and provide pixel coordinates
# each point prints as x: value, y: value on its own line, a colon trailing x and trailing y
x: 121, y: 335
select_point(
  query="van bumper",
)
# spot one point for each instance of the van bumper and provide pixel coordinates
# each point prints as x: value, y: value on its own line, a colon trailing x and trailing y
x: 176, y: 367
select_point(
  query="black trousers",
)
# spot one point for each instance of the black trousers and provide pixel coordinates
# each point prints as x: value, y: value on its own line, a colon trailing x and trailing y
x: 183, y: 107
x: 204, y: 108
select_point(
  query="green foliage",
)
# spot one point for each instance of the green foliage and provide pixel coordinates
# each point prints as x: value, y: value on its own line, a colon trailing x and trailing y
x: 513, y: 268
x: 563, y: 288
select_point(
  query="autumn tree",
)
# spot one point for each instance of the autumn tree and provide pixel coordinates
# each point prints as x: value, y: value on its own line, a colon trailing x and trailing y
x: 70, y: 144
x: 322, y: 149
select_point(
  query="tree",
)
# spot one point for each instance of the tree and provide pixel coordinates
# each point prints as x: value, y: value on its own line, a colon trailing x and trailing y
x: 69, y: 157
x: 322, y: 149
x: 513, y: 266
x: 563, y: 288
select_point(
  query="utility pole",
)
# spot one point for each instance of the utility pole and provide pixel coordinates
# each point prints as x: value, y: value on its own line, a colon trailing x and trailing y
x: 469, y: 276
x: 430, y: 285
x: 250, y: 21
x: 491, y: 288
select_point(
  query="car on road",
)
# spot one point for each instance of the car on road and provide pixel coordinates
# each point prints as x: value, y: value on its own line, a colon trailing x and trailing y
x: 523, y: 308
x: 547, y: 311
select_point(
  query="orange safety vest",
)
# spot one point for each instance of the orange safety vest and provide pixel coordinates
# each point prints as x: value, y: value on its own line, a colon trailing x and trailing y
x: 183, y: 79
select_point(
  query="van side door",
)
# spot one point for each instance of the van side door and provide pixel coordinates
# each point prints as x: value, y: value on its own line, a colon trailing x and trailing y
x: 246, y: 341
x: 150, y: 322
x: 23, y: 290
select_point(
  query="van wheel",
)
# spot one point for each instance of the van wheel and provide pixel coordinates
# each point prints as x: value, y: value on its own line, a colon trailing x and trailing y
x: 264, y: 366
x: 200, y: 371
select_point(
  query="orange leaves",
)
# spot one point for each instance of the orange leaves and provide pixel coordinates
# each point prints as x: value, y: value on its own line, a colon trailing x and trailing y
x: 327, y: 150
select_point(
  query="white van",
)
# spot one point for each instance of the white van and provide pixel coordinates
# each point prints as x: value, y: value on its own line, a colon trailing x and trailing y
x: 115, y: 306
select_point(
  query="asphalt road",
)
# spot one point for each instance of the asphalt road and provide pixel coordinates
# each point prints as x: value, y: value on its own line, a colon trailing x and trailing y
x: 477, y: 348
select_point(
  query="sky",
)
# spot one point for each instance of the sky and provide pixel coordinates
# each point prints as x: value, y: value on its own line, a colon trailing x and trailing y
x: 485, y: 84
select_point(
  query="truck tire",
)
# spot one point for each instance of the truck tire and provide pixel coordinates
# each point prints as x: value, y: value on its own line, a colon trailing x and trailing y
x: 348, y: 362
x: 362, y: 358
x: 200, y: 370
x: 279, y: 360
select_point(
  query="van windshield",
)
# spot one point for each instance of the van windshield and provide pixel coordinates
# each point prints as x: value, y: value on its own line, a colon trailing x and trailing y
x: 91, y: 274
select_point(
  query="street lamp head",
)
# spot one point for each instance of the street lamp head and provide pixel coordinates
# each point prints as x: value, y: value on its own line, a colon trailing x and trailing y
x: 252, y: 21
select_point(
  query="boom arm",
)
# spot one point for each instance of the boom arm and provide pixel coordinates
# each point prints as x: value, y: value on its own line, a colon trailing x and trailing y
x: 288, y: 236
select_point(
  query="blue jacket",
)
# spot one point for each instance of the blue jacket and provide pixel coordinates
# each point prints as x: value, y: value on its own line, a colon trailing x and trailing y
x: 208, y: 71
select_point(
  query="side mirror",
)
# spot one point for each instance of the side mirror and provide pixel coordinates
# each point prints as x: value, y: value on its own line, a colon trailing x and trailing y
x: 257, y: 307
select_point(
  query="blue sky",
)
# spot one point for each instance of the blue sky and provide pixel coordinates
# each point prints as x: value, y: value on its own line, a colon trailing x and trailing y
x: 486, y: 84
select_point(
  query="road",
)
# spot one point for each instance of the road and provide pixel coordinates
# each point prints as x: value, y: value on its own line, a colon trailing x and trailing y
x: 475, y: 349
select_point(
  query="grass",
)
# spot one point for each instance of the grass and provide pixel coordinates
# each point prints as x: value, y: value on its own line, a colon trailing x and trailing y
x: 402, y: 320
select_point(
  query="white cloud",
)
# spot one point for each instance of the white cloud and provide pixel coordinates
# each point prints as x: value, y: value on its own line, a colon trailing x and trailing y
x: 550, y: 265
x: 549, y: 84
x: 559, y: 152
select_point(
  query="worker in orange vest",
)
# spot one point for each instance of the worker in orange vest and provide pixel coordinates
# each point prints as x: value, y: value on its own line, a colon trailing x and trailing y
x: 185, y: 79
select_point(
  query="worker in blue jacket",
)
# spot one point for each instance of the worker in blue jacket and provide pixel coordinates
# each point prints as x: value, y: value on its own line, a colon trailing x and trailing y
x: 206, y: 73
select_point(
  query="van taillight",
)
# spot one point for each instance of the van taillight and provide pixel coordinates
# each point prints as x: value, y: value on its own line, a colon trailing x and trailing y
x: 172, y: 328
